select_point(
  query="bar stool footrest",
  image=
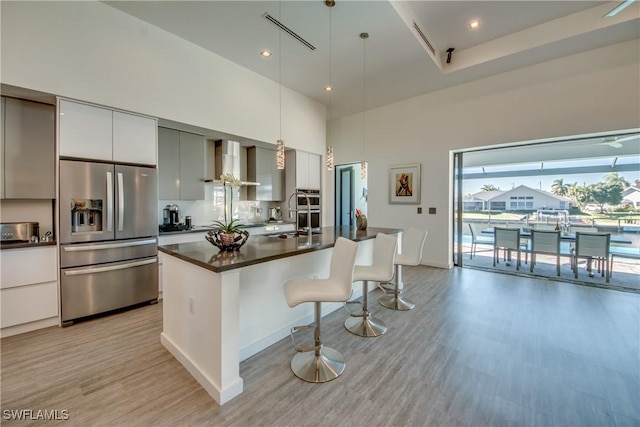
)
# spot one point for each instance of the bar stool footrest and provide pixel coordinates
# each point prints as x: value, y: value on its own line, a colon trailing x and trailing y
x: 346, y: 305
x: 293, y: 340
x: 388, y: 288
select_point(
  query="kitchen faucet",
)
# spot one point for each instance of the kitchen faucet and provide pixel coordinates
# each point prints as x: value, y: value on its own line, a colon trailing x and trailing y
x: 298, y: 193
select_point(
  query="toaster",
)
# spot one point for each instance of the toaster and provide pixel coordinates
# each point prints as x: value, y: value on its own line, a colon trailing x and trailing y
x: 18, y: 231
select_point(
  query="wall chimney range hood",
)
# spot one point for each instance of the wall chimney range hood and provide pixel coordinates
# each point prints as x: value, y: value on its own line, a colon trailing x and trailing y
x: 227, y: 159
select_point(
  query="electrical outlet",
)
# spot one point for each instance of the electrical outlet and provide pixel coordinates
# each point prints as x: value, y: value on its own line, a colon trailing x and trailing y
x: 432, y: 211
x: 419, y: 210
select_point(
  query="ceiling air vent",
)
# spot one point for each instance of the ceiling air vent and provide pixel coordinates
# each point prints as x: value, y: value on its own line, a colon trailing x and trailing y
x: 289, y: 31
x: 424, y: 38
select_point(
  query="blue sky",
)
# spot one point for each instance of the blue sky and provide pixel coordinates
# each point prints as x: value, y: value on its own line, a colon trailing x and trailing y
x: 544, y: 182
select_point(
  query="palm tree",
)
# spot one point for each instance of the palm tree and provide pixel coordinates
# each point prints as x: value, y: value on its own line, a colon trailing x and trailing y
x: 572, y: 190
x: 489, y: 187
x: 559, y: 187
x: 613, y: 178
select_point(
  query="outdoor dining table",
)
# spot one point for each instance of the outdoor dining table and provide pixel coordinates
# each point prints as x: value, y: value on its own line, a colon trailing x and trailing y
x: 563, y: 236
x: 566, y: 237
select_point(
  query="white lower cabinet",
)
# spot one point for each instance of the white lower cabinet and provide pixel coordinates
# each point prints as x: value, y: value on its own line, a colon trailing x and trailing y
x: 28, y: 289
x: 29, y: 303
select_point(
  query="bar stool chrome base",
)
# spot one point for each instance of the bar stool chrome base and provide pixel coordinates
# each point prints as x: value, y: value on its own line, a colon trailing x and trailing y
x: 362, y: 324
x: 393, y: 298
x: 396, y: 302
x: 365, y: 326
x: 318, y: 368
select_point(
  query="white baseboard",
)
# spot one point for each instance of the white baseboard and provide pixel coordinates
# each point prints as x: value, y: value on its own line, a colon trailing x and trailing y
x: 28, y: 327
x: 220, y: 396
x: 281, y: 333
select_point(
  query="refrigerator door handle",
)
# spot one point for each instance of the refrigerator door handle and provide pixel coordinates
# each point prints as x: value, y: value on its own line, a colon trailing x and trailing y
x: 107, y: 246
x: 109, y: 268
x: 109, y: 201
x: 120, y: 202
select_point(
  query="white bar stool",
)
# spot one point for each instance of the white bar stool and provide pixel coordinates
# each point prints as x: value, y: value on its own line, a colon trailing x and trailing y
x: 381, y: 270
x: 412, y: 244
x: 320, y: 364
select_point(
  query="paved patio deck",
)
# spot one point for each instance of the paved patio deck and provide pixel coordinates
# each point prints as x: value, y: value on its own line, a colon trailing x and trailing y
x: 625, y: 277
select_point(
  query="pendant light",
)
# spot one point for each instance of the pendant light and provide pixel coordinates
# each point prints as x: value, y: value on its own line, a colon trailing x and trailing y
x: 329, y: 88
x: 363, y: 163
x: 280, y: 142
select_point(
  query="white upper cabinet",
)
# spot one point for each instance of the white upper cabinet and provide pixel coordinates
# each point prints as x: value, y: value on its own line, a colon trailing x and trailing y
x: 314, y: 172
x: 90, y: 132
x: 86, y: 131
x: 307, y: 167
x: 134, y: 139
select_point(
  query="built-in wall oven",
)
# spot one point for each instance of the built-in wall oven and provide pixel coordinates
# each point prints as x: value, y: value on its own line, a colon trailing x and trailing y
x: 303, y: 221
x: 303, y: 208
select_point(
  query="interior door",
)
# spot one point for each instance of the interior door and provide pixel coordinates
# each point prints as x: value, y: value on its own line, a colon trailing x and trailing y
x: 346, y: 196
x: 136, y: 201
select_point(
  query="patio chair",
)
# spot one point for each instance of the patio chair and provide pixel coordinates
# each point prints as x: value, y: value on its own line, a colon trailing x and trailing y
x: 620, y: 252
x: 475, y: 240
x: 545, y: 242
x: 507, y: 239
x: 592, y: 247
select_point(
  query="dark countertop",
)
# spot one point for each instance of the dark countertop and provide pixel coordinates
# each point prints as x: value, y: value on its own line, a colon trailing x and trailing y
x: 4, y: 246
x: 259, y: 249
x: 205, y: 228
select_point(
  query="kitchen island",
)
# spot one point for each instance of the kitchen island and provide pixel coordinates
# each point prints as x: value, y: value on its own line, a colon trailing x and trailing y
x: 219, y: 308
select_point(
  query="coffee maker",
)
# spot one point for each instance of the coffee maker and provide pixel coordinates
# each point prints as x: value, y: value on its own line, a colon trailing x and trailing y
x: 275, y: 215
x: 171, y: 215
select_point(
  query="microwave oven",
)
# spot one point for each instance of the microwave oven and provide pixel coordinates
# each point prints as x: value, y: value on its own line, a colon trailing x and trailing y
x: 314, y: 199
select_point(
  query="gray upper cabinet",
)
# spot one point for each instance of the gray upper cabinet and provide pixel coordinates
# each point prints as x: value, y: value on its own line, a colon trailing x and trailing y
x: 192, y: 166
x: 169, y: 164
x: 2, y: 109
x: 28, y: 143
x: 261, y: 167
x: 181, y: 165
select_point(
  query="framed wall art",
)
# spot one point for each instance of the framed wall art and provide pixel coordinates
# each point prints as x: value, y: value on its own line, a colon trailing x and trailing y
x: 404, y: 184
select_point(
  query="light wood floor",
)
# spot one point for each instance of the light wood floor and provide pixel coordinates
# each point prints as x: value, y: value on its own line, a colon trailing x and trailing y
x: 480, y: 349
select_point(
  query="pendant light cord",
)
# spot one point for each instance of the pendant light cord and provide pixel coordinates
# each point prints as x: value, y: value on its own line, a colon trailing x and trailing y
x: 280, y: 62
x: 364, y: 37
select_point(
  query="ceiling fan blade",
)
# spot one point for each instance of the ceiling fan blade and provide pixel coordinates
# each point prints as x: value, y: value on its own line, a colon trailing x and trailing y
x: 616, y: 141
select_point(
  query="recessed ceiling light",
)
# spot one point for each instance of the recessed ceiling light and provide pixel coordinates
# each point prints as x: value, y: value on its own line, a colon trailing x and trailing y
x: 474, y: 24
x: 328, y: 88
x: 265, y: 53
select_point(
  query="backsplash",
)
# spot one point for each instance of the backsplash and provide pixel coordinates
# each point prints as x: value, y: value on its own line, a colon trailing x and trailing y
x: 204, y: 212
x: 20, y: 210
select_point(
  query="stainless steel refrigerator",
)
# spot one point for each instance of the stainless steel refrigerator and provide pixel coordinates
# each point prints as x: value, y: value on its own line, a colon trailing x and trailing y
x: 108, y: 235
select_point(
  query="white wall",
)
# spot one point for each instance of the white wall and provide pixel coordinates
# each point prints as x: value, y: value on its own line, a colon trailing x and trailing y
x: 594, y: 91
x: 92, y: 52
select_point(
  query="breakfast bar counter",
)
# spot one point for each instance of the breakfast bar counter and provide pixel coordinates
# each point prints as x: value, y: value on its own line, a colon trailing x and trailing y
x: 220, y: 308
x: 265, y: 248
